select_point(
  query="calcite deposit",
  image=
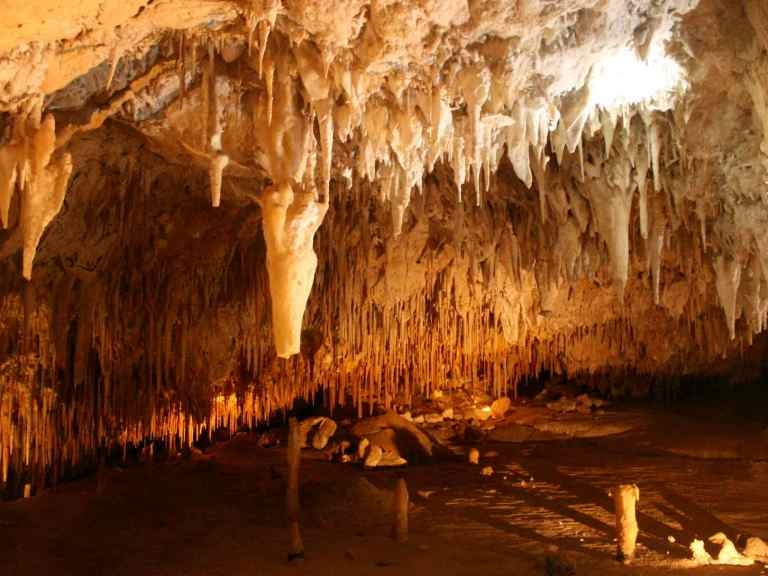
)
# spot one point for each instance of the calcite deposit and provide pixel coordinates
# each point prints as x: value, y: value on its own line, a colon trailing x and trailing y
x: 213, y: 208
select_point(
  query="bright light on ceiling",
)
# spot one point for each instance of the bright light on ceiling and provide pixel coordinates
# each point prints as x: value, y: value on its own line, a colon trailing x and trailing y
x: 623, y: 78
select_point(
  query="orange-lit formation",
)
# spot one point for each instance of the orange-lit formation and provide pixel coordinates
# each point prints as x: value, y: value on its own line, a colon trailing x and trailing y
x: 213, y: 209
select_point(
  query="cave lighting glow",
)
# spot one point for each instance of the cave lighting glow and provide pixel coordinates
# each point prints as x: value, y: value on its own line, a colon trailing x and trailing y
x: 623, y: 78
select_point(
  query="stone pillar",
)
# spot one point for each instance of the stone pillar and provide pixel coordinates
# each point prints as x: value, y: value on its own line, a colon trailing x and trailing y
x: 400, y: 511
x: 293, y: 453
x: 625, y: 498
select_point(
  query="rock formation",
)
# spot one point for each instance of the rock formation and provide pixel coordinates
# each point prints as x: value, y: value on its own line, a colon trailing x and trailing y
x: 398, y: 197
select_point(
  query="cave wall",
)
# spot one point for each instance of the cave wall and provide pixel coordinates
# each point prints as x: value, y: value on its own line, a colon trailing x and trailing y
x: 148, y: 317
x: 485, y: 224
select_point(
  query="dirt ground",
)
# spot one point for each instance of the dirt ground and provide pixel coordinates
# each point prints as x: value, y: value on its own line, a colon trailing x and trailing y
x: 223, y: 512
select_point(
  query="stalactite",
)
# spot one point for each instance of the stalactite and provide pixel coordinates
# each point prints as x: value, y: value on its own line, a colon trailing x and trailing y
x: 611, y: 198
x: 457, y: 301
x: 41, y: 202
x: 290, y: 223
x: 475, y: 84
x: 114, y: 59
x: 264, y: 29
x: 325, y: 119
x: 218, y: 163
x: 727, y: 281
x: 11, y: 164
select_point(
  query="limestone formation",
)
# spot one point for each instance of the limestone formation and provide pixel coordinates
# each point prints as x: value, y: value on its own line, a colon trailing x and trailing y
x: 409, y: 197
x: 500, y: 407
x: 290, y: 224
x: 727, y: 554
x: 293, y: 458
x: 400, y: 511
x: 324, y: 433
x: 626, y: 498
x: 756, y: 549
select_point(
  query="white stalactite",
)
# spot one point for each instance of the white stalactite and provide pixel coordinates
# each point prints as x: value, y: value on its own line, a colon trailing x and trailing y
x: 325, y: 119
x: 655, y: 246
x: 41, y: 202
x: 475, y: 82
x: 727, y: 281
x: 215, y: 173
x: 11, y: 165
x: 290, y: 222
x: 611, y: 198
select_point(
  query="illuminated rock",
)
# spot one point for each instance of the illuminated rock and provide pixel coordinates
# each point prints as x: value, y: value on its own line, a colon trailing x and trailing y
x: 289, y: 225
x: 626, y: 498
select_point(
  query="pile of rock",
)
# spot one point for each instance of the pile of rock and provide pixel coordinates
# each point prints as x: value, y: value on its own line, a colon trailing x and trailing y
x: 381, y: 441
x: 583, y: 404
x: 392, y: 439
x: 317, y: 431
x: 722, y: 551
x: 459, y: 405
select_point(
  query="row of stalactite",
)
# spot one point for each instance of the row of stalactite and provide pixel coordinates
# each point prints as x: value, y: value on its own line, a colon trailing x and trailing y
x: 42, y: 436
x: 392, y: 363
x: 126, y: 356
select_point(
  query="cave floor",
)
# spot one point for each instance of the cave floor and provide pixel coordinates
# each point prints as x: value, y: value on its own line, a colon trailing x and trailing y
x: 222, y: 512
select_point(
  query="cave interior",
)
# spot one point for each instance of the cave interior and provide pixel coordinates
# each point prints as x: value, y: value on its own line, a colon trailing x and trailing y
x: 383, y: 286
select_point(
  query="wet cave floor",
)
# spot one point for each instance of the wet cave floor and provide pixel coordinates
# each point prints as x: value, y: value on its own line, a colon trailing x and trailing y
x: 222, y: 512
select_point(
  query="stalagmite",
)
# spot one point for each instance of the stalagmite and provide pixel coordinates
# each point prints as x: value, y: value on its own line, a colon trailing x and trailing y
x: 625, y: 498
x: 293, y: 455
x: 400, y: 512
